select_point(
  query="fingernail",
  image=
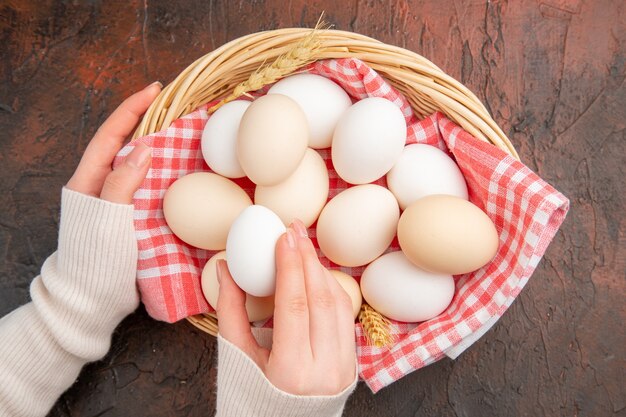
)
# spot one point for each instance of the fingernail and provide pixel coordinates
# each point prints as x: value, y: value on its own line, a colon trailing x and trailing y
x: 218, y: 271
x: 139, y: 156
x: 155, y: 83
x: 299, y: 226
x: 291, y: 238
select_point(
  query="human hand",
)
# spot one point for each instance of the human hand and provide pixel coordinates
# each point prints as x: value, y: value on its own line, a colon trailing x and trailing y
x: 94, y: 175
x: 313, y: 350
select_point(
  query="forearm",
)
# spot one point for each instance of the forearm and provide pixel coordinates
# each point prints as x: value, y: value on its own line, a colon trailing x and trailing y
x: 85, y: 289
x: 34, y: 368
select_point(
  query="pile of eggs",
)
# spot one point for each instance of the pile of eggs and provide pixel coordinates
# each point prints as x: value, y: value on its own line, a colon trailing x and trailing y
x: 273, y: 142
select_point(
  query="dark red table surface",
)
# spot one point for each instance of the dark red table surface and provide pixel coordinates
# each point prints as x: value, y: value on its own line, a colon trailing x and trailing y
x: 552, y: 75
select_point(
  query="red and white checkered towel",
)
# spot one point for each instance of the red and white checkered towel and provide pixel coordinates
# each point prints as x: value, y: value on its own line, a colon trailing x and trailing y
x: 526, y: 210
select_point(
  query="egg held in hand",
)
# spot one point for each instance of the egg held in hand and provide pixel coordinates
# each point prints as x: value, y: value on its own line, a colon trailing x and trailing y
x: 250, y: 250
x: 401, y: 291
x: 200, y: 208
x: 447, y: 234
x: 272, y: 139
x: 258, y: 308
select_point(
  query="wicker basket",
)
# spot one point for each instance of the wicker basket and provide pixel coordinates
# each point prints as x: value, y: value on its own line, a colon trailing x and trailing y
x: 426, y: 87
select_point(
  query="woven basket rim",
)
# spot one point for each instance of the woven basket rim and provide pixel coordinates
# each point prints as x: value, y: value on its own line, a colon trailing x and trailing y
x: 426, y: 87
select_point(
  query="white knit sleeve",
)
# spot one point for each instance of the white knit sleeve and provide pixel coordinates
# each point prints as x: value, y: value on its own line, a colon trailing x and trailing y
x: 85, y: 289
x: 244, y: 391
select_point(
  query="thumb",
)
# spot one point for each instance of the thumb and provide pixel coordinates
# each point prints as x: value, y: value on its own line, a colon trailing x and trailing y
x: 120, y: 185
x: 233, y: 317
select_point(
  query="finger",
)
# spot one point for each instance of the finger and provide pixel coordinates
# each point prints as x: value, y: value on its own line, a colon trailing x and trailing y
x: 345, y: 324
x: 291, y: 311
x: 232, y: 315
x: 121, y: 184
x: 113, y: 133
x: 95, y: 164
x: 322, y: 304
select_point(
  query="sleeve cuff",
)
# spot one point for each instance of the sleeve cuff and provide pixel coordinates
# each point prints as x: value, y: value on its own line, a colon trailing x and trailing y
x: 88, y: 286
x: 243, y: 390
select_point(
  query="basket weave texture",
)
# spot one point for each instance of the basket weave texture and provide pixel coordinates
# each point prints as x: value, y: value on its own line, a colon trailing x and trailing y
x: 427, y: 88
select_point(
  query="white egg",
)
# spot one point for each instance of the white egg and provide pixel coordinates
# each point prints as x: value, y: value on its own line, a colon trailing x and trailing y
x: 424, y: 170
x: 258, y: 308
x: 250, y: 250
x: 322, y: 101
x: 368, y: 140
x: 302, y: 195
x: 219, y: 139
x: 401, y: 291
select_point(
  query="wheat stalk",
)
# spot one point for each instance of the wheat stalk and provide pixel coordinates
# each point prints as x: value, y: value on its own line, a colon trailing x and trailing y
x: 303, y: 53
x: 375, y: 327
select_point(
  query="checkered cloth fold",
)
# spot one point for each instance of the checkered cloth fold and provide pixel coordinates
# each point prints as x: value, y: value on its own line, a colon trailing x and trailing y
x: 526, y: 210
